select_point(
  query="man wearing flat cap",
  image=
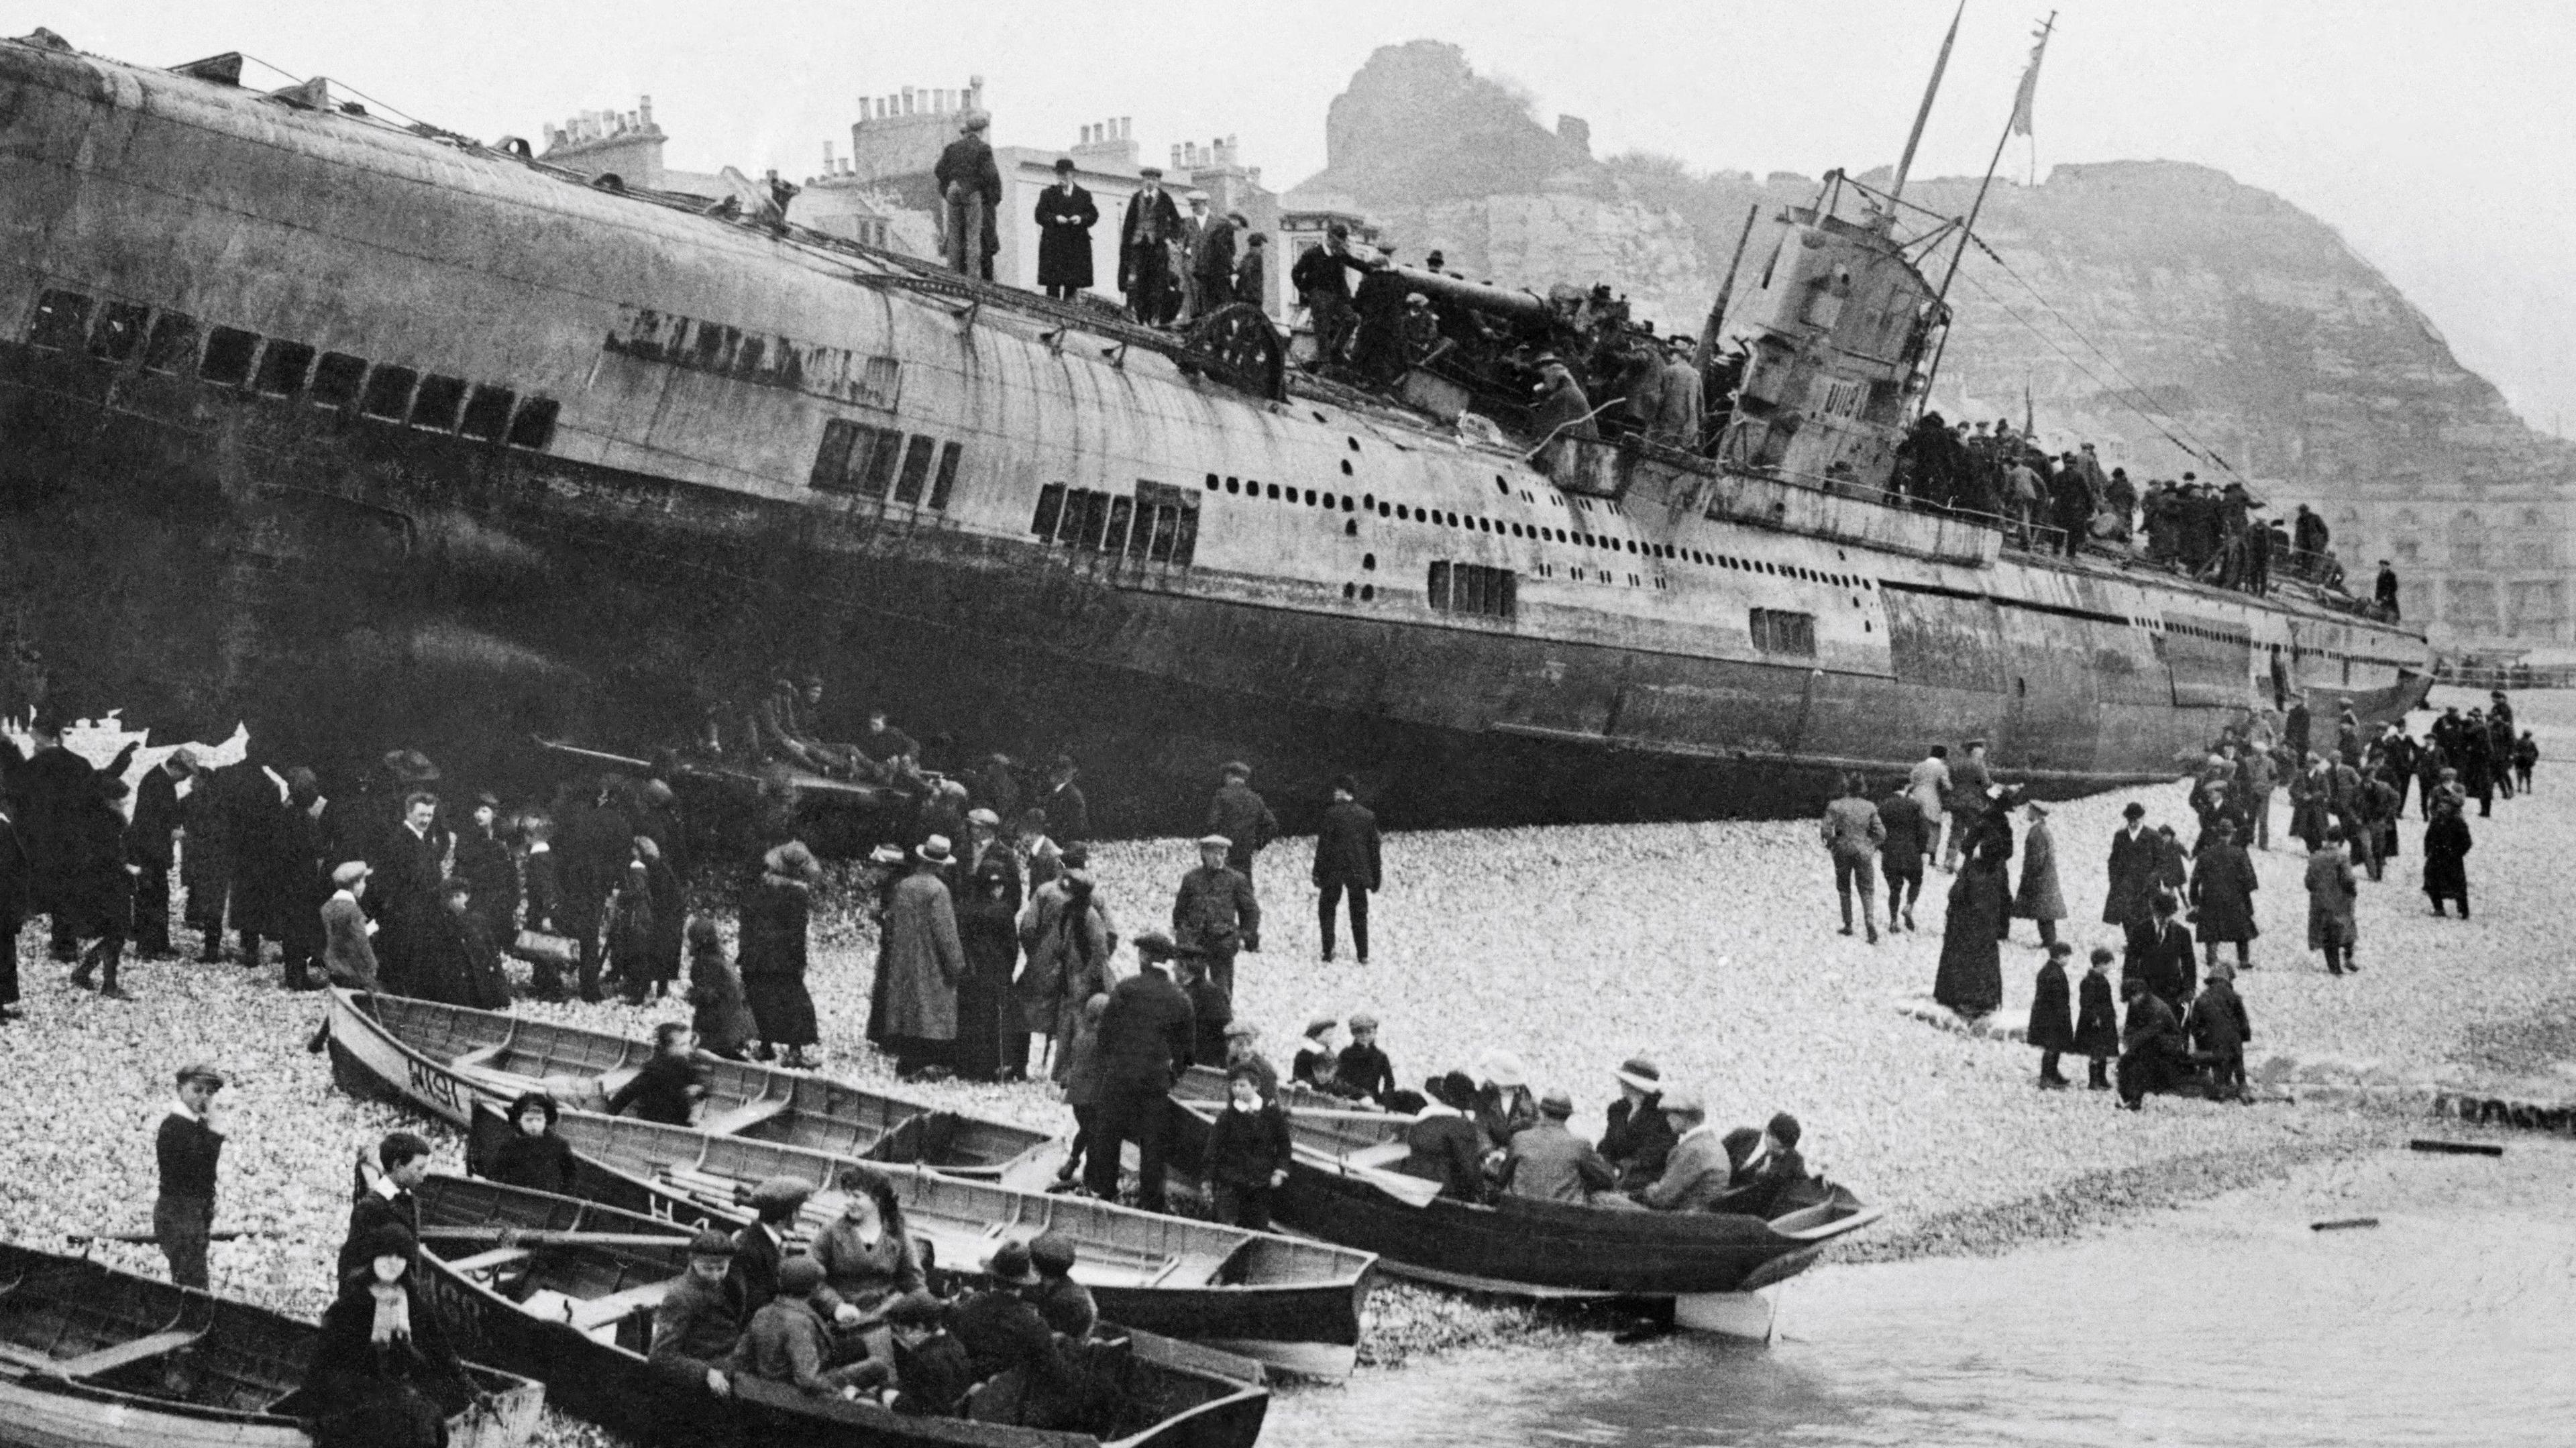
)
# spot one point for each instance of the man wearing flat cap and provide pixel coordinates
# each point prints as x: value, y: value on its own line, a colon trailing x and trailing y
x: 1243, y: 817
x: 1215, y: 912
x: 1552, y: 1164
x: 348, y: 952
x: 761, y: 1245
x: 701, y: 1316
x: 970, y: 186
x: 1145, y: 239
x: 1065, y: 215
x: 187, y: 1148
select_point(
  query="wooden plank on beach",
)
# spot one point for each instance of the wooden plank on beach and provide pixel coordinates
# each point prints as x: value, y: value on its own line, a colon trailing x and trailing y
x: 2455, y: 1148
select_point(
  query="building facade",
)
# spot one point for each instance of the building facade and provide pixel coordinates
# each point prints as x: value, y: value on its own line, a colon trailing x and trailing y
x: 2482, y: 566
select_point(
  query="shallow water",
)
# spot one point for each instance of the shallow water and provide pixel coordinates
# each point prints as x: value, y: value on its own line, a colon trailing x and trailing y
x: 2452, y: 1322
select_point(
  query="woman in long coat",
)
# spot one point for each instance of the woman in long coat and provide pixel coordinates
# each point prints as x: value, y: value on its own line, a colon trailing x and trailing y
x: 2222, y: 894
x: 2039, y: 897
x: 2330, y: 892
x: 988, y: 929
x: 1971, y: 978
x: 772, y: 956
x: 924, y: 963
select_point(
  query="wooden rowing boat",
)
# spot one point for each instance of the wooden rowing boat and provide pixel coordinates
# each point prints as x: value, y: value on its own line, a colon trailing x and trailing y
x: 579, y: 1316
x: 1293, y: 1305
x: 444, y: 1058
x: 1341, y: 1188
x: 91, y: 1357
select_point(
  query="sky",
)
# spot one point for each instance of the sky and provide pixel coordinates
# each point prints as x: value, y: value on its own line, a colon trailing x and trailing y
x: 2436, y: 139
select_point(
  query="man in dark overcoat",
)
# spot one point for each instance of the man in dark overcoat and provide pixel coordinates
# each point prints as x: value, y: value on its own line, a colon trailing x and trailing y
x: 17, y: 879
x: 148, y: 848
x: 2160, y: 955
x: 1145, y: 238
x: 1145, y: 1042
x: 1346, y: 859
x: 54, y: 789
x: 1900, y: 855
x: 1065, y: 215
x: 1240, y: 814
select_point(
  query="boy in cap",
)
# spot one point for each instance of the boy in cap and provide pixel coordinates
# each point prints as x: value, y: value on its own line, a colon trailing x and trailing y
x: 186, y: 1150
x: 1364, y: 1072
x: 1215, y: 912
x: 348, y: 948
x: 1064, y: 1303
x: 700, y: 1319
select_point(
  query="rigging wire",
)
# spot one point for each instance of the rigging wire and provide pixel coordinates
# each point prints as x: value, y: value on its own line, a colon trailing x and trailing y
x: 2107, y: 360
x: 2202, y: 452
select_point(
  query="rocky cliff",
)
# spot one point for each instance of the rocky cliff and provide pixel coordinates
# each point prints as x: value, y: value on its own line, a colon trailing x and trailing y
x: 2159, y: 308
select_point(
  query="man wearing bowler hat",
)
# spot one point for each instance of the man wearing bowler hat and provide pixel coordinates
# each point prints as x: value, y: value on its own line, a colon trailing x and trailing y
x: 1065, y: 215
x: 1346, y: 859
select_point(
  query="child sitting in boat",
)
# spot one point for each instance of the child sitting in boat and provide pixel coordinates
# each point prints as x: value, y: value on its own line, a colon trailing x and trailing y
x: 382, y: 1365
x: 1317, y: 1063
x: 1364, y: 1073
x: 1247, y: 1153
x: 534, y: 1157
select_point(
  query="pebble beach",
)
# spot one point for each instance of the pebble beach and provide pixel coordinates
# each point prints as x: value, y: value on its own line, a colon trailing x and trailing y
x: 1710, y: 947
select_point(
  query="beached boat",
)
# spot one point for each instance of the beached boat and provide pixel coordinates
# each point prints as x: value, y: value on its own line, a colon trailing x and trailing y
x: 578, y: 1314
x: 444, y: 1058
x: 91, y: 1357
x: 1341, y: 1188
x: 1291, y: 1304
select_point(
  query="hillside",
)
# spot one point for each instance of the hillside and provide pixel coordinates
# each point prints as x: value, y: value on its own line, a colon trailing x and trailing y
x: 2244, y: 325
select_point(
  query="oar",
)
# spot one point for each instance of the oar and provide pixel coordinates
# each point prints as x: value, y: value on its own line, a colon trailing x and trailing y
x: 225, y: 1236
x: 534, y: 1237
x: 1413, y: 1191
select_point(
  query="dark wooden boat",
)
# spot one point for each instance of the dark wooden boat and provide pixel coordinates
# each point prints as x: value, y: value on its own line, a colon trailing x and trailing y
x: 91, y: 1357
x: 444, y: 1058
x: 1291, y: 1304
x: 578, y: 1315
x: 1341, y: 1188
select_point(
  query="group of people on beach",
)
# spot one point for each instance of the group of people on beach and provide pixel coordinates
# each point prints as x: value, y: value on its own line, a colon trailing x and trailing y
x: 2186, y: 1025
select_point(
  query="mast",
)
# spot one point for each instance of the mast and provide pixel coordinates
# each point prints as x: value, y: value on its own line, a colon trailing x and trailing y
x: 1717, y: 309
x: 1913, y: 138
x: 2019, y: 122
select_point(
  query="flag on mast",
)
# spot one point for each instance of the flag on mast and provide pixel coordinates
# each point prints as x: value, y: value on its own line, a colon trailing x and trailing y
x: 2030, y: 82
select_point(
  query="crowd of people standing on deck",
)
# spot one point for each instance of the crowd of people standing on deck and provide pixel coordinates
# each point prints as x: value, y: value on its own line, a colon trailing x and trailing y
x: 2060, y: 502
x: 2186, y: 1026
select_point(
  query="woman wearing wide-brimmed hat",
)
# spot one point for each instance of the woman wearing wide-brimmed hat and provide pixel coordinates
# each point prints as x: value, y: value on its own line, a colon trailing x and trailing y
x: 774, y: 917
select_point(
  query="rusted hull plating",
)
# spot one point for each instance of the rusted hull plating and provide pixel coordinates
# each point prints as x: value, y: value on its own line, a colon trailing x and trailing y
x: 194, y: 552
